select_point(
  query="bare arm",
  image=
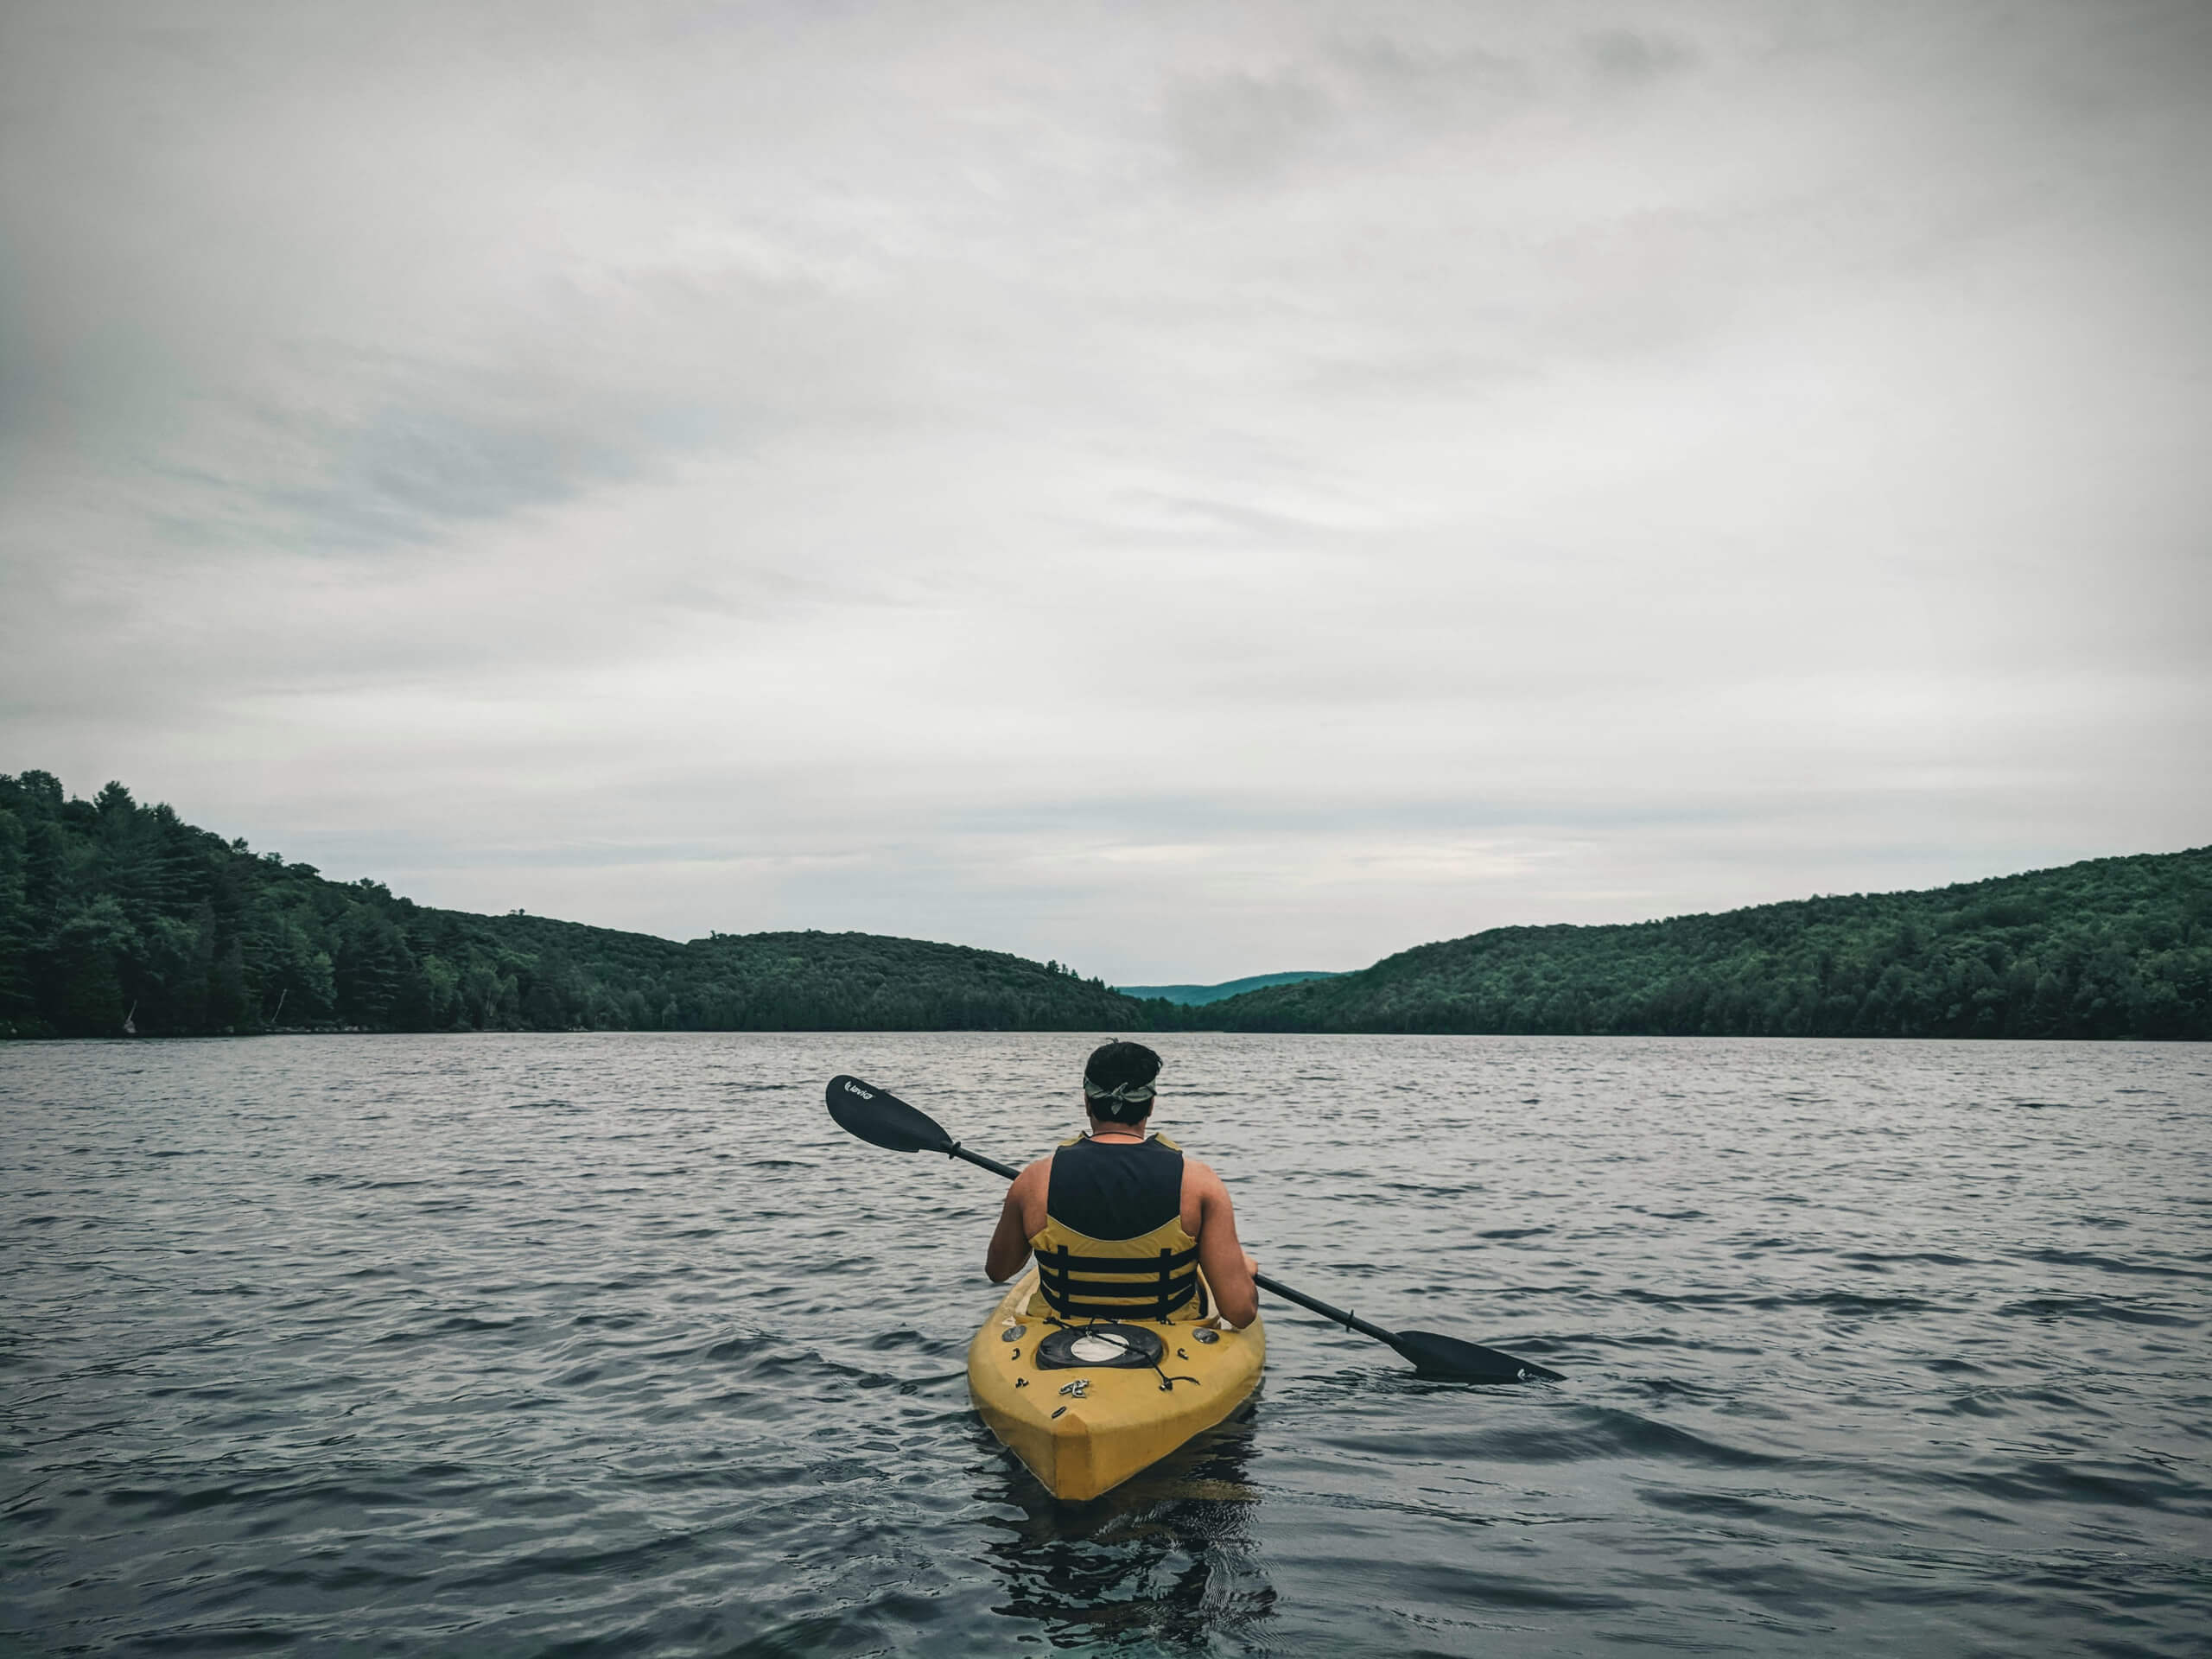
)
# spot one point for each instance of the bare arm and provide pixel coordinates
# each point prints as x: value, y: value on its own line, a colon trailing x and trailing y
x: 1010, y: 1242
x: 1221, y: 1257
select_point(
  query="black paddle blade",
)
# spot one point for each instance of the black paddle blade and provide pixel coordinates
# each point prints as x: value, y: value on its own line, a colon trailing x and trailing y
x: 881, y: 1119
x: 1466, y: 1362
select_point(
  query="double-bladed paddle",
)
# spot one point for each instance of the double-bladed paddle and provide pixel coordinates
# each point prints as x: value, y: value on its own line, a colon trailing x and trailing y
x: 881, y: 1119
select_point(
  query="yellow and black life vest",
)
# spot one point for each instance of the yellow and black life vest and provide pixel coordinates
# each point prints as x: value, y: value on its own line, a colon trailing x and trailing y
x: 1113, y: 1246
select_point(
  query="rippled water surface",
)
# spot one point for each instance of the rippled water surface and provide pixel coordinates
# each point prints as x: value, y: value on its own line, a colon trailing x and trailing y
x: 600, y: 1345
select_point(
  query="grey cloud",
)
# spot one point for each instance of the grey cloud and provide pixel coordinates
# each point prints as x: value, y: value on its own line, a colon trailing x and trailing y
x: 1188, y: 517
x: 1431, y: 78
x: 410, y: 475
x: 1634, y: 56
x: 1247, y: 126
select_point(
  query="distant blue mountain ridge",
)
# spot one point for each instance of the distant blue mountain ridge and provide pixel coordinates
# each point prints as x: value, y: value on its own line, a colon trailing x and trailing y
x: 1191, y: 997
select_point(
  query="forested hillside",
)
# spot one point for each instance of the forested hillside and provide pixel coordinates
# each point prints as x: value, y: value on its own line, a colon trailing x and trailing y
x: 115, y: 915
x: 2116, y: 947
x: 111, y: 912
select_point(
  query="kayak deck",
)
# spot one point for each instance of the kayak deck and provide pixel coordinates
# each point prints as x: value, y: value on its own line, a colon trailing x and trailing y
x: 1082, y: 1440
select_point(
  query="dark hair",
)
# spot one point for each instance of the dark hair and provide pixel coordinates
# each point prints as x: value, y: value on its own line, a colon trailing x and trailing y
x: 1117, y: 1082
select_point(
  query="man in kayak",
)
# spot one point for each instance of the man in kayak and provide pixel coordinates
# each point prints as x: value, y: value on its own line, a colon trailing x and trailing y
x: 1123, y: 1225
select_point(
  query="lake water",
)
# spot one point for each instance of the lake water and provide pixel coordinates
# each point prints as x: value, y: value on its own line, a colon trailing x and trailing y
x: 613, y: 1345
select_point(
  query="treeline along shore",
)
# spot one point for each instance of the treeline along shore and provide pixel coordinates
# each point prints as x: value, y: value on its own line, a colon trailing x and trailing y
x: 116, y: 917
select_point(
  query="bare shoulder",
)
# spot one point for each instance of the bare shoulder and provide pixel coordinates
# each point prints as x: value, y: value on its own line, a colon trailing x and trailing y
x: 1199, y: 1176
x: 1027, y: 1194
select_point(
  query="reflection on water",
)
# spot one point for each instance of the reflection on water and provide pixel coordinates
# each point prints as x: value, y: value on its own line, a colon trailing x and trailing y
x: 1168, y: 1556
x: 615, y: 1344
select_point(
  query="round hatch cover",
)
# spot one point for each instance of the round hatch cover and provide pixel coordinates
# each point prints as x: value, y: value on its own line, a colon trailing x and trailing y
x: 1100, y: 1347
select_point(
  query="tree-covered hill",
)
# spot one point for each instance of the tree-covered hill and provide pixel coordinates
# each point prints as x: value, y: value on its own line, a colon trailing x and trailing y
x: 111, y: 912
x: 2115, y: 947
x: 115, y: 914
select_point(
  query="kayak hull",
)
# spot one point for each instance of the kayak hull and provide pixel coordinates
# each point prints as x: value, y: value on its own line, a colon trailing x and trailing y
x: 1084, y: 1442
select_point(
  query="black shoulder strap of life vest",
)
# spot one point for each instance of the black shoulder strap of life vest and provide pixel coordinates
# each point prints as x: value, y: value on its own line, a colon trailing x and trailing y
x: 1115, y: 1192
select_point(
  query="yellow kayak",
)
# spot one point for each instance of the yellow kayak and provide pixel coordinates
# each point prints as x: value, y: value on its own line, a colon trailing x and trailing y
x: 1086, y: 1406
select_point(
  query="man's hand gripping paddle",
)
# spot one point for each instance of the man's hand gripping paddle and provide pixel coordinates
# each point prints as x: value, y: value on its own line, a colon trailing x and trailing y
x: 881, y: 1119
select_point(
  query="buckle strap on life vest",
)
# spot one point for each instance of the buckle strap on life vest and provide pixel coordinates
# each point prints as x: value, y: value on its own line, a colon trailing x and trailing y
x: 1174, y: 1274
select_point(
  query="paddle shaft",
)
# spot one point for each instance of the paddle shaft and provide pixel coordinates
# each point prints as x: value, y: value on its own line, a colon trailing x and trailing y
x: 1314, y: 1304
x: 981, y: 1162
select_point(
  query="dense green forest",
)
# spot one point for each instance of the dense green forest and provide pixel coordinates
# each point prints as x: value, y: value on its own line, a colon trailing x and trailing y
x: 114, y: 912
x: 2116, y: 947
x: 115, y: 916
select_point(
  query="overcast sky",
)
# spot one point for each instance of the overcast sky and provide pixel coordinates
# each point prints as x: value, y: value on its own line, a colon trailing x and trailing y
x: 1186, y: 490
